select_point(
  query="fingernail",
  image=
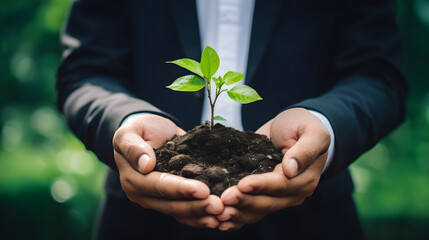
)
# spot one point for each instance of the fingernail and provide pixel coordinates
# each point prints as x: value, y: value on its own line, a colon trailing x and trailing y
x: 143, y: 162
x: 293, y: 167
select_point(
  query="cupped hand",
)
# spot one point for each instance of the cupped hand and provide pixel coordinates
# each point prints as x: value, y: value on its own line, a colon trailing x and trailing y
x: 187, y: 200
x: 304, y: 141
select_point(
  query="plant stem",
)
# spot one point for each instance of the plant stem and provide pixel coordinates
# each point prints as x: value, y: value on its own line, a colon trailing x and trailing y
x: 211, y: 104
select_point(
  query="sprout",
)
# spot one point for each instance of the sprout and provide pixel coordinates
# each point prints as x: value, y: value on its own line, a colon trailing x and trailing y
x: 205, y: 72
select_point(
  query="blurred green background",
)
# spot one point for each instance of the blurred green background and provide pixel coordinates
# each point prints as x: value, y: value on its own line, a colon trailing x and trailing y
x: 50, y: 187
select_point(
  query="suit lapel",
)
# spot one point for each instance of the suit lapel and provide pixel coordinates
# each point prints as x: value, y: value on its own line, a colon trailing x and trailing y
x: 264, y: 18
x: 184, y: 13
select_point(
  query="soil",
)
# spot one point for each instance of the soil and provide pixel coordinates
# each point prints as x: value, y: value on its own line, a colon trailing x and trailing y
x: 219, y: 157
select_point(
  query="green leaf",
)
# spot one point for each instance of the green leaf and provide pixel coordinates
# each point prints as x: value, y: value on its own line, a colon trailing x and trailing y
x: 188, y: 83
x: 219, y: 118
x: 232, y: 77
x: 243, y: 94
x: 216, y: 80
x: 189, y: 64
x: 209, y: 62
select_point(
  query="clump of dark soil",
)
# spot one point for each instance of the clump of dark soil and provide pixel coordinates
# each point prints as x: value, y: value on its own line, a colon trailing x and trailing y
x: 219, y: 157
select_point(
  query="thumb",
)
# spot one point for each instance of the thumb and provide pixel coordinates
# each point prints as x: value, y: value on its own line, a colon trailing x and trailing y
x: 147, y: 161
x: 138, y: 152
x: 310, y: 145
x: 180, y: 131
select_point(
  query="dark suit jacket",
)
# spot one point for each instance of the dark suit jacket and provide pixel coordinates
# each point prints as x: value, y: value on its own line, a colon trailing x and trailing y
x: 338, y: 57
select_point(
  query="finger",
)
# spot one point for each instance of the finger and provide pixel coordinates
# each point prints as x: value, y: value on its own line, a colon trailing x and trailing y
x: 180, y: 131
x: 132, y: 147
x: 229, y: 226
x: 272, y: 183
x: 311, y: 144
x: 227, y: 213
x: 265, y: 129
x: 199, y: 222
x: 183, y: 208
x: 232, y: 214
x: 157, y: 184
x: 258, y: 203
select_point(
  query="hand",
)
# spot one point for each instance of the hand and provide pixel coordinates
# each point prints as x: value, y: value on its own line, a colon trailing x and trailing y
x: 187, y: 200
x: 304, y: 141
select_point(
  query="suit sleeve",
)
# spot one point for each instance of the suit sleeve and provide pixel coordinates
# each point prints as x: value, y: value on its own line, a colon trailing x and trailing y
x: 367, y: 97
x: 94, y: 75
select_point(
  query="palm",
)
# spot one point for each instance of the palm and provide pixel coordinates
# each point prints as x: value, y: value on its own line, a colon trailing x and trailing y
x: 155, y: 130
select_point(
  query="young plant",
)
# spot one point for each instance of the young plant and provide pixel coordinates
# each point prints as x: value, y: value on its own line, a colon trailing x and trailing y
x: 205, y: 74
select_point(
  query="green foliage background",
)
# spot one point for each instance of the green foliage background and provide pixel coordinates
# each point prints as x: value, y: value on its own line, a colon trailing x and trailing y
x: 51, y: 188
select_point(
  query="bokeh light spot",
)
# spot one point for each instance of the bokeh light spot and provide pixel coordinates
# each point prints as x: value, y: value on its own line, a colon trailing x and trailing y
x: 22, y: 66
x: 45, y: 121
x: 422, y: 11
x: 62, y: 190
x: 11, y: 135
x: 70, y: 161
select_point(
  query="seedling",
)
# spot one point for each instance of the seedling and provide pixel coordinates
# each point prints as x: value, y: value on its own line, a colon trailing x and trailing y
x: 205, y: 74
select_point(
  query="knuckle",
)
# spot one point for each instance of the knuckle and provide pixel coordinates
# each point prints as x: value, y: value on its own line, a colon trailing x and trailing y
x: 313, y: 183
x: 325, y: 135
x: 115, y: 142
x: 196, y: 208
x: 326, y: 138
x: 299, y: 202
x: 131, y: 197
x: 308, y: 154
x: 116, y: 156
x: 176, y: 210
x: 310, y: 187
x: 126, y: 184
x: 143, y: 204
x: 181, y: 190
x: 308, y: 193
x: 117, y: 137
x: 160, y: 189
x: 254, y: 219
x: 169, y: 210
x: 129, y: 149
x: 203, y: 223
x: 268, y: 206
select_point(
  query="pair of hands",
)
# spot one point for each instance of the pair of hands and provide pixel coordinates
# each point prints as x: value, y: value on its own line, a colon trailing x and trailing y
x: 302, y: 137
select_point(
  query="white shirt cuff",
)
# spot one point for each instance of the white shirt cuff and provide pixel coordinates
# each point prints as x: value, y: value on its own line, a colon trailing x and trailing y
x: 328, y: 126
x: 132, y: 116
